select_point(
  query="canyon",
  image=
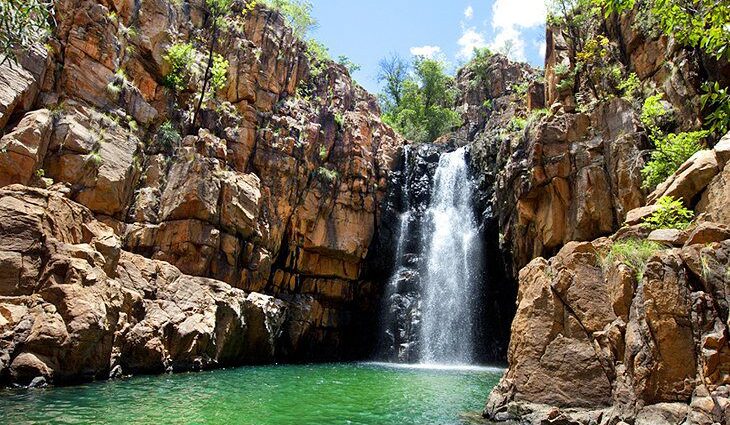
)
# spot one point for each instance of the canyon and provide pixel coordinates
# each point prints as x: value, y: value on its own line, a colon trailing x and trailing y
x: 293, y: 225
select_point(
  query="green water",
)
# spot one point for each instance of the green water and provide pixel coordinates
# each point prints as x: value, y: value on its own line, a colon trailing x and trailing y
x: 365, y: 393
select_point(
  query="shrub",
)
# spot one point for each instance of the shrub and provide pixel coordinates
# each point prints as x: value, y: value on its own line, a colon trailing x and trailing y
x: 179, y: 56
x: 634, y: 253
x: 298, y: 14
x: 652, y: 114
x: 671, y: 214
x: 318, y: 55
x: 219, y: 73
x: 517, y: 124
x: 340, y: 120
x: 671, y: 152
x: 351, y: 66
x: 168, y: 136
x: 327, y: 174
x: 24, y: 23
x: 629, y: 86
x: 535, y: 116
x: 716, y: 102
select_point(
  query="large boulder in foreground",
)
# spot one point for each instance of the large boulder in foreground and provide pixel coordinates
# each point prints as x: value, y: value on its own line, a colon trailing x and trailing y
x: 74, y: 306
x: 597, y: 340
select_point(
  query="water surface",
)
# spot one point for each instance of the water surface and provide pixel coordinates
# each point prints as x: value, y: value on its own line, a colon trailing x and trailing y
x: 366, y: 393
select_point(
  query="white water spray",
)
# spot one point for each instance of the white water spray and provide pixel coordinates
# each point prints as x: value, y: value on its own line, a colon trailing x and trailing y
x: 451, y: 254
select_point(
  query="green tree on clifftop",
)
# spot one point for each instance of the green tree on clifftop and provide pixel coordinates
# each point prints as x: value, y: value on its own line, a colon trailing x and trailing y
x: 419, y: 105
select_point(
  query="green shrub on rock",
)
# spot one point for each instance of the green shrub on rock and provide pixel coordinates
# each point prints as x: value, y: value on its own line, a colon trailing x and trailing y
x: 179, y: 56
x: 671, y: 152
x: 635, y: 253
x: 672, y: 214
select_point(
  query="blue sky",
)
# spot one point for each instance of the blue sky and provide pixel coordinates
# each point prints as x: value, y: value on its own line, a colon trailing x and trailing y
x: 367, y: 31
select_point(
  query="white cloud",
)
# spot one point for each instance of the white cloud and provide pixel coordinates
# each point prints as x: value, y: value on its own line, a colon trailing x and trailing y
x: 426, y: 51
x: 518, y: 13
x: 469, y: 12
x: 509, y: 42
x: 509, y: 17
x: 470, y: 39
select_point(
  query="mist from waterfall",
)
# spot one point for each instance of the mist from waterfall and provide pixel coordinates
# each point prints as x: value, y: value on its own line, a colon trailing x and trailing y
x: 451, y: 250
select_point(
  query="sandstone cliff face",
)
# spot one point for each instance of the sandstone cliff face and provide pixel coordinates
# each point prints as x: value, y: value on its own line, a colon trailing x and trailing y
x: 592, y: 342
x: 272, y: 192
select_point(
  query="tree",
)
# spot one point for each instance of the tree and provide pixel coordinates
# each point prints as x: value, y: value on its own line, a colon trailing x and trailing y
x: 425, y: 110
x: 216, y: 10
x: 393, y: 72
x: 23, y: 23
x: 298, y: 14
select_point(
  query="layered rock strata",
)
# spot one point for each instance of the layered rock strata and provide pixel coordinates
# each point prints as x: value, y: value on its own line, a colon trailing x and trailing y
x: 274, y: 189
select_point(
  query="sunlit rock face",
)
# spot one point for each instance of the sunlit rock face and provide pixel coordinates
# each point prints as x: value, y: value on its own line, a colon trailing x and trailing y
x: 274, y: 193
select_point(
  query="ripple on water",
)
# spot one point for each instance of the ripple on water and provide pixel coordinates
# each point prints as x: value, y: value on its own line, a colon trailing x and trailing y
x: 367, y: 393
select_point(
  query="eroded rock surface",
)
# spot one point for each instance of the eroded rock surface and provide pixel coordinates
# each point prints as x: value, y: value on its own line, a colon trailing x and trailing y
x: 620, y: 343
x: 74, y: 305
x: 274, y: 189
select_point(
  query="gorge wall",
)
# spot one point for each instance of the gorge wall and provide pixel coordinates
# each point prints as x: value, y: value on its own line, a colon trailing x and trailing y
x: 126, y: 249
x: 593, y: 342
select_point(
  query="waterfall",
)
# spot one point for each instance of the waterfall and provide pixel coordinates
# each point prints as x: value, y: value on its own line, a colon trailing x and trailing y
x: 450, y: 252
x: 430, y: 299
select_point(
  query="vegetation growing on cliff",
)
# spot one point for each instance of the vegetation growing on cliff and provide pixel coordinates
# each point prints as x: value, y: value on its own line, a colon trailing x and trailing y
x: 634, y: 253
x: 23, y: 23
x: 672, y: 214
x: 670, y: 150
x: 419, y: 105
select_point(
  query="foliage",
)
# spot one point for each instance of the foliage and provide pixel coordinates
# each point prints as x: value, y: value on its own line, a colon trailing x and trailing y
x: 318, y: 55
x: 696, y: 23
x: 566, y: 77
x: 327, y: 174
x: 219, y: 73
x: 24, y: 23
x: 394, y: 73
x: 536, y: 115
x: 634, y: 253
x: 517, y: 124
x: 425, y: 110
x: 629, y: 86
x: 323, y: 152
x: 671, y: 152
x: 298, y: 14
x: 615, y: 7
x: 351, y: 66
x: 340, y: 120
x: 521, y: 88
x: 594, y: 51
x: 671, y: 214
x: 178, y: 56
x: 168, y: 136
x: 716, y: 101
x: 652, y: 114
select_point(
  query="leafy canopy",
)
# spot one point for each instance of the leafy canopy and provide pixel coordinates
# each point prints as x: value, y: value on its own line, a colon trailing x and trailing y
x: 425, y: 110
x: 24, y: 23
x: 298, y: 14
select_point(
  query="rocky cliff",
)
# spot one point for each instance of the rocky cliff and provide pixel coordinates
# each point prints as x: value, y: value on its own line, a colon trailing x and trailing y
x: 593, y: 340
x: 136, y: 240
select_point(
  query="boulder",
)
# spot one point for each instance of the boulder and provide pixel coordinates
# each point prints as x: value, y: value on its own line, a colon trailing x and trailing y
x: 23, y: 149
x: 690, y: 179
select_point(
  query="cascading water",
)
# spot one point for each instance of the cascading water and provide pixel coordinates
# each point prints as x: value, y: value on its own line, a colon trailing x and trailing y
x: 430, y: 314
x: 451, y: 251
